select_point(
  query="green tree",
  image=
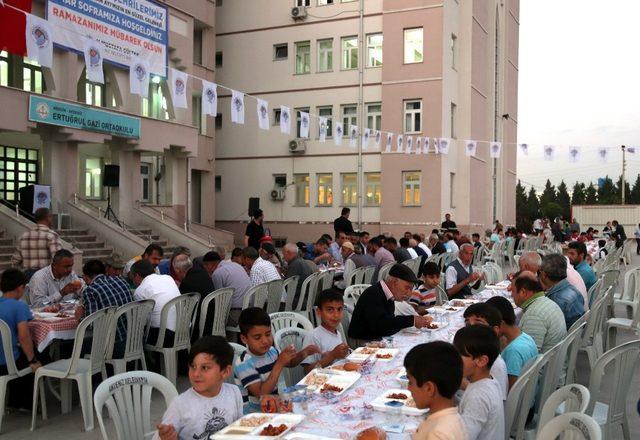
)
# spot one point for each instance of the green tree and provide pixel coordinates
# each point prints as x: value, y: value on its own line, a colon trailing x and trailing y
x: 591, y: 195
x: 607, y: 192
x: 548, y: 194
x: 523, y: 217
x: 564, y: 200
x: 579, y: 196
x: 627, y: 192
x: 533, y: 204
x: 634, y: 195
x: 551, y: 210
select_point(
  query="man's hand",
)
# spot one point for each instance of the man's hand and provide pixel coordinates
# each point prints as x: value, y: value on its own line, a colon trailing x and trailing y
x: 167, y: 432
x: 309, y: 350
x: 422, y: 321
x: 35, y: 366
x: 79, y: 312
x: 54, y: 308
x: 72, y: 287
x: 286, y: 356
x: 340, y: 351
x: 475, y: 276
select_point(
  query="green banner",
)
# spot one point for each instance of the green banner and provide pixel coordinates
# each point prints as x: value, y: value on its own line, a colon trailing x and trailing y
x: 63, y: 114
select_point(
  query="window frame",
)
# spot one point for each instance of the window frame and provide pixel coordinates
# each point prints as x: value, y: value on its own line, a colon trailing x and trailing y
x: 352, y: 119
x: 352, y: 185
x: 454, y: 51
x: 329, y: 117
x: 302, y: 185
x: 404, y: 49
x: 327, y: 190
x: 413, y: 112
x: 376, y: 116
x: 325, y: 52
x: 369, y: 47
x: 343, y: 64
x: 453, y: 115
x: 297, y: 111
x: 298, y: 45
x: 275, y: 51
x: 376, y: 186
x: 413, y: 187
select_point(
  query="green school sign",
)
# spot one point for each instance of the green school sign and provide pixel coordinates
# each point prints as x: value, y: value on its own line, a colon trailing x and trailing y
x: 63, y: 114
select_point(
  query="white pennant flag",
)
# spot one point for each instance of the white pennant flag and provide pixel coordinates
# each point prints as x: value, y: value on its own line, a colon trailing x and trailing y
x: 603, y: 154
x: 262, y: 108
x: 387, y: 148
x: 304, y: 125
x: 365, y: 138
x: 524, y: 149
x: 426, y: 146
x: 549, y: 153
x: 237, y: 107
x: 409, y: 145
x: 494, y: 149
x: 322, y: 127
x: 353, y: 136
x: 93, y: 60
x: 178, y: 88
x: 470, y: 148
x: 418, y: 145
x: 285, y: 120
x: 209, y: 98
x: 378, y: 139
x: 139, y: 78
x: 443, y: 145
x: 399, y: 143
x: 38, y: 39
x: 337, y: 138
x: 574, y: 154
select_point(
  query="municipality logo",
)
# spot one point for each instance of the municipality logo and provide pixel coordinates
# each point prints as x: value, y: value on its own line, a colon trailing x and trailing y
x: 179, y: 86
x: 140, y: 72
x: 211, y: 95
x: 40, y: 35
x: 42, y: 109
x: 94, y: 56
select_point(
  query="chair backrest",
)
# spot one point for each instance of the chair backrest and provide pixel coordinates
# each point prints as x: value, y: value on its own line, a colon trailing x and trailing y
x: 594, y: 323
x: 384, y: 270
x: 280, y: 320
x: 275, y: 291
x: 441, y: 295
x: 221, y: 300
x: 256, y: 295
x: 618, y: 363
x: 237, y: 351
x: 352, y: 293
x: 631, y: 286
x: 185, y: 307
x: 569, y: 350
x: 326, y: 280
x: 519, y: 399
x: 573, y: 397
x: 136, y: 315
x: 368, y: 274
x: 309, y: 286
x: 581, y: 427
x: 550, y: 363
x: 7, y: 348
x: 291, y: 336
x: 357, y: 276
x: 127, y: 397
x: 99, y: 322
x: 289, y: 285
x: 610, y: 278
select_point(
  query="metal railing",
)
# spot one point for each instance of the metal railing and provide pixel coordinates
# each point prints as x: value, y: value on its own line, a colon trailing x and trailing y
x: 186, y: 225
x: 19, y: 212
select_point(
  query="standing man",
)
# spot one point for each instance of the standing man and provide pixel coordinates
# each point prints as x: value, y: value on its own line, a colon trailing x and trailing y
x: 460, y: 274
x: 618, y: 233
x: 636, y: 234
x: 343, y: 223
x: 255, y: 230
x: 36, y: 247
x: 448, y: 224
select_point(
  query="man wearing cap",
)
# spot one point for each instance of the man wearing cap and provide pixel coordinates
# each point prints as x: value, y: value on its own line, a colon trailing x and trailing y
x: 374, y: 313
x: 351, y: 262
x: 114, y: 266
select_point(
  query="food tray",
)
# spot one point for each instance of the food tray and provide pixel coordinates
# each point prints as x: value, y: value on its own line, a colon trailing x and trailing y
x: 447, y: 309
x: 363, y: 353
x: 464, y: 302
x: 440, y: 324
x: 237, y: 430
x: 383, y: 403
x: 342, y: 380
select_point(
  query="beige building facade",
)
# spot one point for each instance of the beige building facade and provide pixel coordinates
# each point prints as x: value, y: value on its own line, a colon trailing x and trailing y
x: 418, y: 67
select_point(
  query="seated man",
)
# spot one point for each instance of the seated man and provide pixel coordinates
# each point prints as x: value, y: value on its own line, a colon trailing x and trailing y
x: 400, y: 254
x: 437, y: 247
x: 577, y: 254
x: 260, y: 271
x: 153, y: 254
x: 318, y: 252
x: 352, y: 261
x: 55, y: 282
x: 380, y: 254
x: 553, y: 278
x: 373, y: 316
x: 227, y: 274
x: 459, y: 276
x: 296, y: 266
x: 161, y: 289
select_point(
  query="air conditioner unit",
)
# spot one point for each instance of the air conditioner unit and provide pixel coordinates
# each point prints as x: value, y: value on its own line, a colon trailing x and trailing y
x: 297, y: 146
x: 278, y: 193
x: 299, y: 12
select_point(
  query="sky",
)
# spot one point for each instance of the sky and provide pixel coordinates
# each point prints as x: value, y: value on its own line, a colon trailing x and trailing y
x: 579, y: 85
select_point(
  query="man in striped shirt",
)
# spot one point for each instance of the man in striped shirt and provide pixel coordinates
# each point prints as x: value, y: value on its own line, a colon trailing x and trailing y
x: 260, y: 271
x: 36, y: 247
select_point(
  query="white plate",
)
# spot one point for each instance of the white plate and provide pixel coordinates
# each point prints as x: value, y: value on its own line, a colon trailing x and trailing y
x: 380, y: 403
x: 445, y: 309
x: 385, y: 351
x: 466, y: 302
x: 402, y: 377
x: 44, y: 315
x: 303, y: 381
x: 236, y: 431
x: 342, y: 379
x: 440, y: 324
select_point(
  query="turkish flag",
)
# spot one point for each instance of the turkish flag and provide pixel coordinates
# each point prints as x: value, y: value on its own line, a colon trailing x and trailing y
x: 13, y: 24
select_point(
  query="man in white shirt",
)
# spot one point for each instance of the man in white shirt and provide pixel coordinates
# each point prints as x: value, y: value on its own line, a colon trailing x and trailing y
x: 161, y: 289
x: 459, y: 276
x: 260, y: 271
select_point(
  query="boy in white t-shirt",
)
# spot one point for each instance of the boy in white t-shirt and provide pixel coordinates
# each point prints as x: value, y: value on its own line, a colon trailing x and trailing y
x: 329, y: 309
x: 210, y: 404
x: 481, y: 406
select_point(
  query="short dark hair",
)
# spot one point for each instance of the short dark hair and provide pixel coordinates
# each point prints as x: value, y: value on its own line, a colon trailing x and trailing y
x: 322, y: 241
x: 257, y: 213
x: 328, y: 295
x: 404, y: 242
x: 578, y: 246
x: 430, y: 268
x: 62, y: 253
x: 417, y: 237
x: 142, y: 268
x: 153, y: 247
x: 475, y: 234
x: 211, y: 257
x: 391, y: 240
x: 363, y: 233
x: 505, y: 308
x: 250, y: 252
x: 485, y: 311
x: 345, y: 210
x: 11, y: 279
x: 252, y: 317
x: 215, y: 346
x: 375, y: 241
x: 602, y: 243
x: 326, y: 237
x: 527, y: 283
x: 476, y: 341
x: 93, y: 267
x: 236, y: 252
x: 438, y: 362
x: 41, y: 214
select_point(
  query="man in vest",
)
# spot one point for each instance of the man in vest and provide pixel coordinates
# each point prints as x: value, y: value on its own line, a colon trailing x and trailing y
x: 352, y: 261
x: 460, y: 277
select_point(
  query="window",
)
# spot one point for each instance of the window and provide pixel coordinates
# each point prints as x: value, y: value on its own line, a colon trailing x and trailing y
x: 18, y: 168
x: 325, y: 55
x: 327, y: 112
x: 280, y: 51
x: 372, y: 191
x: 276, y: 116
x: 218, y: 184
x: 374, y: 116
x: 413, y: 116
x: 301, y: 182
x: 93, y: 178
x: 453, y: 120
x: 197, y: 45
x: 349, y: 116
x: 350, y: 53
x: 303, y: 2
x: 325, y: 2
x: 32, y: 80
x: 145, y: 176
x: 280, y: 180
x: 218, y: 121
x: 299, y: 119
x: 374, y: 50
x: 454, y: 51
x: 413, y: 45
x: 218, y: 59
x: 303, y: 57
x: 349, y: 189
x: 452, y: 177
x: 198, y: 119
x: 411, y: 187
x: 91, y: 93
x: 155, y: 106
x: 4, y: 68
x: 325, y: 189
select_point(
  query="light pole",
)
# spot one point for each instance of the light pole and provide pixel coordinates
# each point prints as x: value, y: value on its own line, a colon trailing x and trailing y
x: 624, y: 165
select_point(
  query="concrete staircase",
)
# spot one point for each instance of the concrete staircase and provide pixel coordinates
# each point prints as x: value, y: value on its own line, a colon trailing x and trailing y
x: 7, y: 248
x: 150, y: 236
x: 85, y: 240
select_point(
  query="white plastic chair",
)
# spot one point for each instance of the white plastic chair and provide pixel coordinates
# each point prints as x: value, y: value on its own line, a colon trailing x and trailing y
x: 629, y: 298
x: 519, y: 400
x: 441, y: 295
x: 308, y: 288
x: 594, y: 291
x: 185, y: 307
x: 352, y: 293
x: 384, y: 270
x: 550, y: 368
x: 618, y: 363
x: 368, y: 274
x: 357, y: 276
x: 592, y: 342
x: 256, y: 295
x: 569, y: 352
x: 282, y: 339
x: 275, y: 293
x: 290, y: 285
x: 127, y: 397
x: 613, y: 324
x: 237, y: 351
x: 581, y: 426
x: 221, y: 300
x: 77, y: 368
x: 136, y: 314
x: 12, y: 370
x: 280, y: 320
x: 570, y: 398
